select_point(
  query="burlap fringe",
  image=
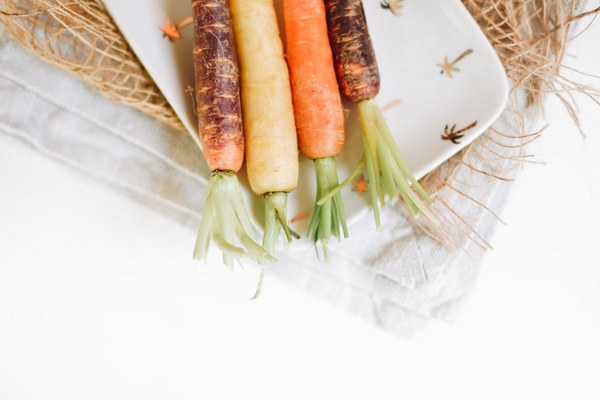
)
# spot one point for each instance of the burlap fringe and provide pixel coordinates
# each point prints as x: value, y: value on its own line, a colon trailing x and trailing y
x: 80, y: 37
x: 530, y: 37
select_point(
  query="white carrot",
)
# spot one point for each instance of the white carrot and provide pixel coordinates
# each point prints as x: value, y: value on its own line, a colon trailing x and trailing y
x: 270, y: 131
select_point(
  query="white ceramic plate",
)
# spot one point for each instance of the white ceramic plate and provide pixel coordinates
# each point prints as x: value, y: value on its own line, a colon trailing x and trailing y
x: 410, y: 43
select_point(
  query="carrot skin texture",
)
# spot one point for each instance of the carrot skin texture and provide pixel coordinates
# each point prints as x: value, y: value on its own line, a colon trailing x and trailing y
x: 355, y: 62
x: 269, y: 126
x: 218, y: 104
x: 316, y: 97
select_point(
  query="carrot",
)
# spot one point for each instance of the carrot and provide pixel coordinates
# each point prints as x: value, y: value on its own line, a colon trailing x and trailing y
x: 317, y: 103
x: 217, y: 87
x: 317, y: 107
x: 358, y: 76
x: 355, y: 62
x: 225, y: 217
x: 270, y: 132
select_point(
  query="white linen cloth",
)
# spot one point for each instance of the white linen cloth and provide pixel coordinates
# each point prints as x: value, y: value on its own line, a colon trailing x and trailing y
x: 397, y: 278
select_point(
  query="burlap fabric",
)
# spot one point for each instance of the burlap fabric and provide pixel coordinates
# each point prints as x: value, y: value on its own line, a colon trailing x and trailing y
x: 81, y: 37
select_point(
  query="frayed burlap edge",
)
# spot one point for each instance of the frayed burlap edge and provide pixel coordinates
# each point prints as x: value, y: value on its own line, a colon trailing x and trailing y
x: 81, y: 37
x: 529, y: 36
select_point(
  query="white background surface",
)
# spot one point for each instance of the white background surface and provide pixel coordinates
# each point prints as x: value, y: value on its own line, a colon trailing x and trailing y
x: 98, y: 298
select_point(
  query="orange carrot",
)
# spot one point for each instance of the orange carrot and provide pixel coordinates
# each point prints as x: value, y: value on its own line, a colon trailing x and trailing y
x: 317, y: 107
x: 317, y: 103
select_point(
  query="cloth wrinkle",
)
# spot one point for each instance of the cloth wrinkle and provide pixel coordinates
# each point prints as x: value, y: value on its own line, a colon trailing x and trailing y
x: 106, y: 127
x: 107, y: 178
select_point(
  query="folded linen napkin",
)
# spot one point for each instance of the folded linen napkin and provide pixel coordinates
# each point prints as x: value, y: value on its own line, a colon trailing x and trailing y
x: 397, y: 278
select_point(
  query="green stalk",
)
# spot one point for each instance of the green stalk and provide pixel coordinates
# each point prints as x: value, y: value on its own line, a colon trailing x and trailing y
x: 389, y: 176
x: 225, y: 221
x: 369, y: 130
x: 388, y: 138
x: 345, y: 183
x: 328, y: 214
x: 276, y: 226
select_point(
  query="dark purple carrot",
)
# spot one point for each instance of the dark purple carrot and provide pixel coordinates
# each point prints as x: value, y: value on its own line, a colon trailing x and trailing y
x: 225, y: 217
x: 353, y: 53
x: 358, y: 76
x: 217, y: 86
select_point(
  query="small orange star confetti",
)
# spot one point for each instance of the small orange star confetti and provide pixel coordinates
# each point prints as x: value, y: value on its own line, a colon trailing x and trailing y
x: 360, y: 185
x: 172, y: 31
x: 391, y: 104
x: 298, y: 217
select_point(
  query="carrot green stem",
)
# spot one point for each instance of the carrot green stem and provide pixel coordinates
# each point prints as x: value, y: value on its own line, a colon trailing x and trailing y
x: 387, y: 171
x: 276, y: 226
x: 328, y: 214
x: 225, y: 221
x: 371, y: 162
x: 345, y: 183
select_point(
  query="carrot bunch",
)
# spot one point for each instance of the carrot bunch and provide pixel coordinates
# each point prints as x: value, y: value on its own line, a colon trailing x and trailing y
x: 327, y: 44
x: 358, y: 76
x: 318, y: 109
